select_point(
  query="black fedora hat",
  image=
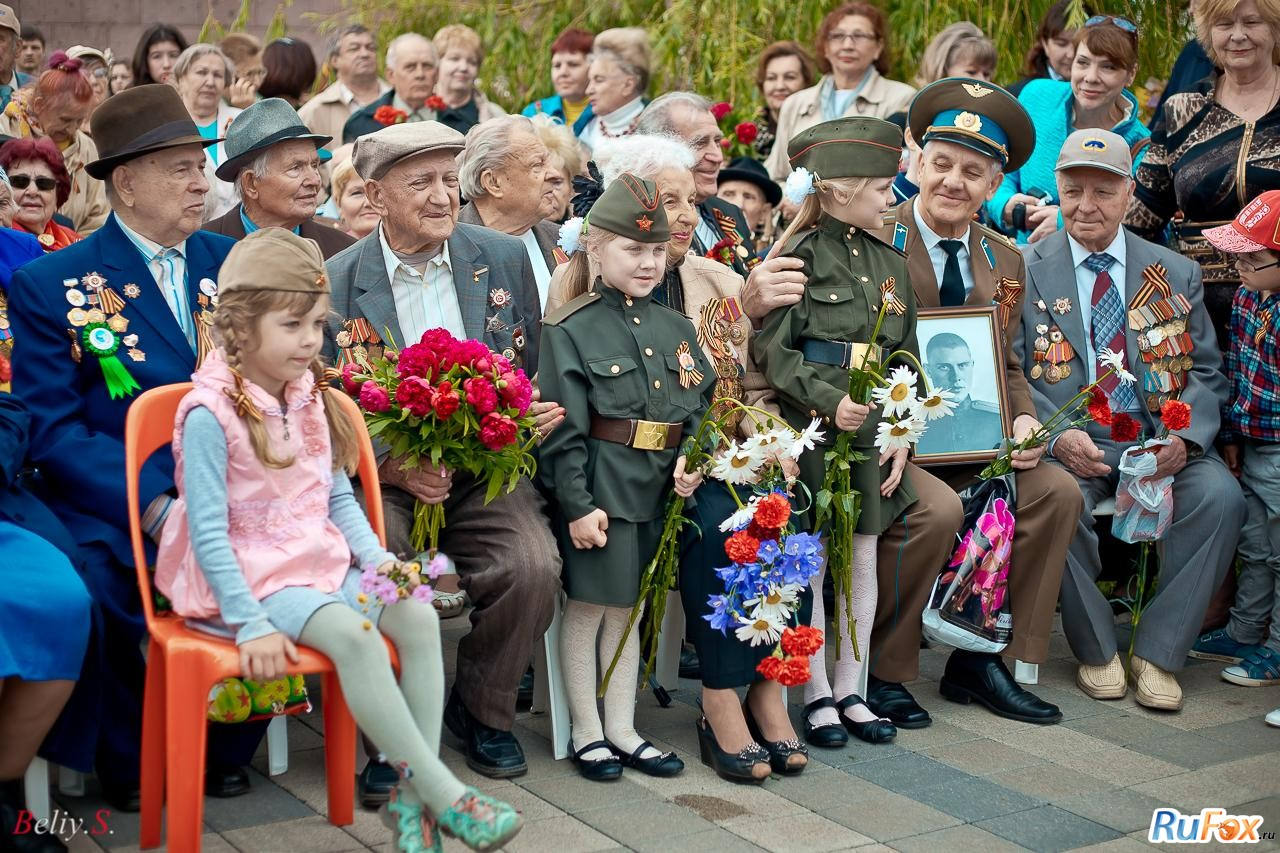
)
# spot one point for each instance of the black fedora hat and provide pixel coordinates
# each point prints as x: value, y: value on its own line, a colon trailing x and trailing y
x: 258, y: 127
x: 138, y: 121
x: 750, y: 170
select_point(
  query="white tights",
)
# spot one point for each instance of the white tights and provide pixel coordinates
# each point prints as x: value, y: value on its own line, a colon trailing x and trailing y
x: 848, y: 671
x: 581, y: 661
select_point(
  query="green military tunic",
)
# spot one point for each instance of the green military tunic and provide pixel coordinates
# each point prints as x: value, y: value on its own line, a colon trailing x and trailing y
x: 846, y: 269
x: 615, y: 356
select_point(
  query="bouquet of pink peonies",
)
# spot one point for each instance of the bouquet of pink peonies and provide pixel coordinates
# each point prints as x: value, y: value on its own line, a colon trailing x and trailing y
x: 451, y: 403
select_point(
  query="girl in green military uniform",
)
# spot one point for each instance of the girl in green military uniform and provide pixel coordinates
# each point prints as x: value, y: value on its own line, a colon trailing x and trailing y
x: 633, y: 380
x: 844, y: 171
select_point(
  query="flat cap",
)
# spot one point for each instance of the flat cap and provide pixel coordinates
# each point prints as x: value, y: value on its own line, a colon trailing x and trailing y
x: 377, y: 152
x: 853, y: 147
x: 274, y: 259
x: 976, y: 114
x: 1096, y: 149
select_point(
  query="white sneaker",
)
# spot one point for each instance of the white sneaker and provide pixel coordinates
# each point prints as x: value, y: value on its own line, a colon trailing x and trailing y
x: 1273, y: 719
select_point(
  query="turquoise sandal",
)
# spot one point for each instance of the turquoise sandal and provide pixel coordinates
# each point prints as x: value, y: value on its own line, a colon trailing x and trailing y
x: 480, y: 821
x: 407, y: 823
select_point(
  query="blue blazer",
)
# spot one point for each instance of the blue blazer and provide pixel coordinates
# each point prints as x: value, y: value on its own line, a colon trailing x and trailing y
x: 553, y: 105
x: 77, y: 430
x: 16, y: 249
x: 18, y: 505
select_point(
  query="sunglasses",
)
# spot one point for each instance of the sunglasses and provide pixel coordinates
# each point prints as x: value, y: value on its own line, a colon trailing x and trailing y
x: 1123, y: 23
x: 21, y: 182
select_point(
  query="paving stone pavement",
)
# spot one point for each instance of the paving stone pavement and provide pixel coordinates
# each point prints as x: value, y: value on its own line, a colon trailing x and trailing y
x: 969, y: 782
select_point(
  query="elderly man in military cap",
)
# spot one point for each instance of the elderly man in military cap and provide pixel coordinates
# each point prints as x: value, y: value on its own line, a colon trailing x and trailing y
x: 1092, y: 286
x: 274, y: 161
x: 421, y: 269
x: 131, y: 297
x: 971, y: 131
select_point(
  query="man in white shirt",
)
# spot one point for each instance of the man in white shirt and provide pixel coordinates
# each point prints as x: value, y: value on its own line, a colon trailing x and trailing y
x: 353, y: 53
x: 422, y: 269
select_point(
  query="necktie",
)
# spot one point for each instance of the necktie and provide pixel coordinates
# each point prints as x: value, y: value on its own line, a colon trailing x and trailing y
x: 952, y: 292
x: 1108, y: 329
x: 165, y: 262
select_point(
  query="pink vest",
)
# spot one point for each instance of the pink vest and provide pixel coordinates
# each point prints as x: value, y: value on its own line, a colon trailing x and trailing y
x: 277, y: 518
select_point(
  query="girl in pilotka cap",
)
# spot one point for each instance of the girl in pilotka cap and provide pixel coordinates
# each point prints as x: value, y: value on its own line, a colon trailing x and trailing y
x: 633, y: 381
x: 272, y: 550
x: 844, y: 171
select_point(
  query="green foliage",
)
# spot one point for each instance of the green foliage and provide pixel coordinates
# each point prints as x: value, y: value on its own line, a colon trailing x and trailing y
x: 711, y: 46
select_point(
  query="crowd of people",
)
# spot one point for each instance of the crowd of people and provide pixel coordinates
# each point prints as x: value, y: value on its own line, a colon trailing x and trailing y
x: 229, y: 215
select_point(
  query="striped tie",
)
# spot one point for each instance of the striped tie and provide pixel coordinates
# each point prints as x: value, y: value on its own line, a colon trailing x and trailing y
x: 171, y: 287
x: 1108, y: 330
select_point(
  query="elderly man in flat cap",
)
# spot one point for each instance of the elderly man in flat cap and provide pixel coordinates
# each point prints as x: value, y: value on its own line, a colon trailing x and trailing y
x: 972, y: 132
x: 274, y: 161
x: 122, y: 311
x: 421, y: 269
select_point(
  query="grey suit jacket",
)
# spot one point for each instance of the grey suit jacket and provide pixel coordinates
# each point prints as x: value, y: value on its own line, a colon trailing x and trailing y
x: 497, y: 293
x: 546, y: 232
x: 1051, y: 275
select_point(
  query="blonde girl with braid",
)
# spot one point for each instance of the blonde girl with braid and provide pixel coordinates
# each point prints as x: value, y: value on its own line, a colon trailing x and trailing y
x: 270, y: 550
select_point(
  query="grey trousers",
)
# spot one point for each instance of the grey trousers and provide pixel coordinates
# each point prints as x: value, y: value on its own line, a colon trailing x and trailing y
x: 1208, y: 510
x: 509, y: 567
x: 1258, y: 595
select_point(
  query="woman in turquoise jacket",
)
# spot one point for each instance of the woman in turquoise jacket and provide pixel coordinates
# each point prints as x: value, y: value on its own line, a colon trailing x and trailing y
x: 1105, y: 63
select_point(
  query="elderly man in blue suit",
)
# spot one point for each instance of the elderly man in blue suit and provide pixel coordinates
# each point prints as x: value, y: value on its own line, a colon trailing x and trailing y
x: 100, y: 321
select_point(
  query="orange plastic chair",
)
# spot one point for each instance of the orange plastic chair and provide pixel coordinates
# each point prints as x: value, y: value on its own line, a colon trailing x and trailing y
x: 182, y: 663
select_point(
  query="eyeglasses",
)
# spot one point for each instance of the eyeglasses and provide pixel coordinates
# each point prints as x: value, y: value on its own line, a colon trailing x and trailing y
x: 1123, y: 23
x: 840, y: 38
x: 21, y: 182
x: 1245, y: 265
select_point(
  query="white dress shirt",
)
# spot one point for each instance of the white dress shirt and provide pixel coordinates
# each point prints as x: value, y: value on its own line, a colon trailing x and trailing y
x: 1085, y: 279
x: 422, y: 301
x: 938, y: 255
x: 170, y: 274
x: 538, y: 261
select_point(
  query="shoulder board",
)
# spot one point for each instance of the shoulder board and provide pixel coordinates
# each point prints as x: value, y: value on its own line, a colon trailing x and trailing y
x: 570, y: 307
x: 798, y: 238
x: 998, y: 241
x: 900, y: 234
x: 985, y: 406
x: 879, y: 239
x: 987, y: 252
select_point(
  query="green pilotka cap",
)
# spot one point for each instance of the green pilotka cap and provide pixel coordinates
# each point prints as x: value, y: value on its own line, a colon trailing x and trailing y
x: 630, y: 208
x: 854, y: 147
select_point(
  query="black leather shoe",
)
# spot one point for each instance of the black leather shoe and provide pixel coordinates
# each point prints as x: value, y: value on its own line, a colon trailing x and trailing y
x: 374, y: 783
x: 490, y: 752
x: 524, y: 693
x: 779, y: 750
x: 664, y: 765
x: 981, y: 678
x: 597, y: 769
x: 121, y: 796
x: 827, y: 736
x: 13, y: 805
x: 896, y: 704
x: 690, y: 666
x: 728, y: 766
x: 874, y: 731
x: 225, y: 782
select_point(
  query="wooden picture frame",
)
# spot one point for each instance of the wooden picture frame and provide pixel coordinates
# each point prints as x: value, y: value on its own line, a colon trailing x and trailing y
x: 981, y: 420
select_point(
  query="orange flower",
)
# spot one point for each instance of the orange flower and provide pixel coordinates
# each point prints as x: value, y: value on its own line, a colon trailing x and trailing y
x: 772, y: 512
x: 387, y: 115
x: 1176, y: 415
x: 794, y: 672
x: 770, y: 667
x: 742, y: 547
x: 803, y: 640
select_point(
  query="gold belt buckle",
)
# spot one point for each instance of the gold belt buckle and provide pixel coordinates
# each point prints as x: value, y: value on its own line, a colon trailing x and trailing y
x: 650, y: 435
x: 860, y: 354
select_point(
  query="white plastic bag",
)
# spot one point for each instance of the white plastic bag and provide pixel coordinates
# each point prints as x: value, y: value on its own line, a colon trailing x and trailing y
x: 1144, y: 503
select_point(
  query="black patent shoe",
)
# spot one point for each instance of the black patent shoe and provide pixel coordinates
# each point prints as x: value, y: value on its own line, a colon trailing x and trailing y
x: 490, y: 752
x: 875, y: 731
x: 983, y: 678
x: 895, y: 703
x: 779, y: 750
x: 597, y: 769
x: 374, y: 783
x: 729, y: 766
x: 828, y: 735
x: 14, y: 816
x: 664, y: 765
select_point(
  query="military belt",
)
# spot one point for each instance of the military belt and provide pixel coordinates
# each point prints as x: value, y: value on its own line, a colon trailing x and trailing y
x: 840, y: 353
x: 641, y: 435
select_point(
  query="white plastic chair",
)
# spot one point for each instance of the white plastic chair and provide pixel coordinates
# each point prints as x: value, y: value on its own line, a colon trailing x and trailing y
x: 548, y: 685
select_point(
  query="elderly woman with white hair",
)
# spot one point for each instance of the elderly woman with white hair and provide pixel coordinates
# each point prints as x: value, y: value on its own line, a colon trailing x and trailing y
x: 742, y: 742
x: 202, y: 74
x: 502, y: 172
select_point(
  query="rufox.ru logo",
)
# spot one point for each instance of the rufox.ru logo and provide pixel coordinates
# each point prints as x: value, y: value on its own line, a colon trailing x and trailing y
x: 1170, y: 826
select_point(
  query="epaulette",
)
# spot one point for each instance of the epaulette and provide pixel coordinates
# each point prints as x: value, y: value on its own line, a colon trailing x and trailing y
x: 985, y: 406
x: 875, y: 236
x: 569, y: 308
x: 796, y: 239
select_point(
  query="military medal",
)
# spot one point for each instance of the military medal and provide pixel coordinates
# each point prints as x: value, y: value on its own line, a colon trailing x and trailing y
x: 118, y: 323
x: 99, y: 340
x: 46, y: 240
x: 208, y: 287
x: 1036, y: 370
x: 132, y: 291
x: 499, y: 298
x: 477, y: 272
x: 1052, y: 374
x: 1062, y: 306
x: 689, y: 373
x: 137, y: 354
x: 75, y: 345
x: 75, y: 297
x: 1040, y: 306
x: 517, y: 338
x: 70, y: 282
x: 494, y: 324
x: 78, y: 317
x: 130, y: 340
x: 343, y: 338
x: 509, y: 354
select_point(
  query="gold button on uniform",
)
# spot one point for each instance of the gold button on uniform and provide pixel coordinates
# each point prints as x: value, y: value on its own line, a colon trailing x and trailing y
x: 636, y: 320
x: 864, y: 278
x: 834, y: 297
x: 648, y: 351
x: 627, y: 299
x: 855, y: 252
x: 614, y: 369
x: 657, y: 383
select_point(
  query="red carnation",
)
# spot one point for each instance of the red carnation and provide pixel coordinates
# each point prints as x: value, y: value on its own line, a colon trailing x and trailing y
x: 349, y: 382
x: 1099, y: 408
x: 1176, y: 415
x: 435, y: 102
x: 481, y: 395
x: 770, y: 667
x: 742, y: 547
x: 1124, y: 428
x: 747, y: 132
x: 803, y: 640
x: 374, y: 398
x: 794, y: 672
x: 445, y: 401
x: 772, y: 512
x: 497, y: 431
x: 414, y: 396
x: 757, y: 531
x: 387, y: 114
x: 721, y: 110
